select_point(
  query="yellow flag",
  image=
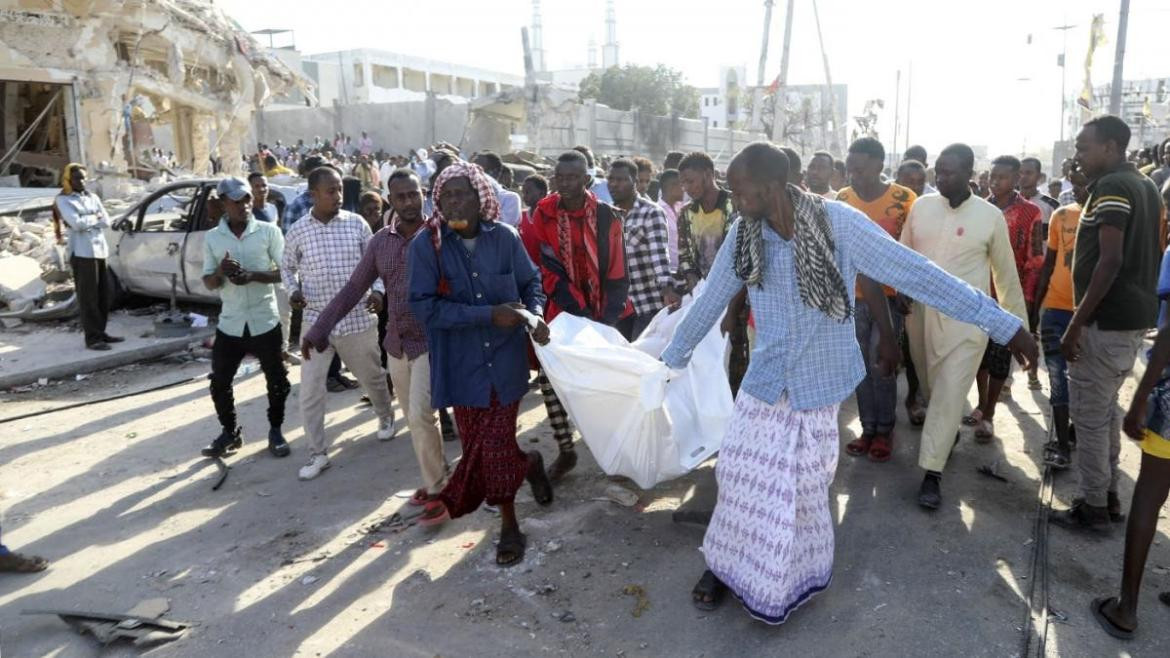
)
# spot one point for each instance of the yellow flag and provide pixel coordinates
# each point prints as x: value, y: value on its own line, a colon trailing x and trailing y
x: 1096, y: 39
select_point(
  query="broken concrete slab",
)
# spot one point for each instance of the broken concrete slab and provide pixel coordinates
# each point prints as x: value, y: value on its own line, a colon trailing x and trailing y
x: 20, y: 281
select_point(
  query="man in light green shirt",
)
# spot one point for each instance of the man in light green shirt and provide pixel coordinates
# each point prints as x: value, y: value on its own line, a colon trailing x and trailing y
x: 241, y: 259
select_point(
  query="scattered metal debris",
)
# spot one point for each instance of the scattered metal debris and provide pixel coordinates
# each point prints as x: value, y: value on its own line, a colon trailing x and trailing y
x: 141, y: 625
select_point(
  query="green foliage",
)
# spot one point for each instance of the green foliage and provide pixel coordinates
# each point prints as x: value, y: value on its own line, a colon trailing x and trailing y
x: 659, y: 90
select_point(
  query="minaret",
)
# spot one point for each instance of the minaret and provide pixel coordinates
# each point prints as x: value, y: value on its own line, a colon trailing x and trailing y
x: 609, y: 52
x: 537, y: 38
x: 591, y: 58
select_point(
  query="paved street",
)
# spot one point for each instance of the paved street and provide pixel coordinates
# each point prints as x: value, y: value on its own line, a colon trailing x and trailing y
x: 117, y: 497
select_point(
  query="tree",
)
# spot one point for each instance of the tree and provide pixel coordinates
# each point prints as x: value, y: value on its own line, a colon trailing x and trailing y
x: 659, y: 90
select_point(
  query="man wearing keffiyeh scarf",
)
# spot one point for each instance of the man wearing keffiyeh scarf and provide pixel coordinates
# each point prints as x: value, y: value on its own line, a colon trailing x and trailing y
x: 470, y: 284
x: 578, y: 243
x: 770, y: 538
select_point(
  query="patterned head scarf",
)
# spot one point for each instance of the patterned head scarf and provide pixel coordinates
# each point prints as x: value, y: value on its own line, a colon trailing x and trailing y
x: 67, y: 177
x: 489, y: 205
x: 817, y: 276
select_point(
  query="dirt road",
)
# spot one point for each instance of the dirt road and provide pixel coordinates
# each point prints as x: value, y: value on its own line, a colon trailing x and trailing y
x: 117, y: 497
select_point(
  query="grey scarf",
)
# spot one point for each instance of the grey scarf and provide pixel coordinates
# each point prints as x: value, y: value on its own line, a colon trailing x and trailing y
x: 817, y: 276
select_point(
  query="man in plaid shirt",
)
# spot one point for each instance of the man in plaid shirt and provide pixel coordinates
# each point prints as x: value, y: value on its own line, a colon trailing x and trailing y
x: 320, y: 252
x: 647, y: 257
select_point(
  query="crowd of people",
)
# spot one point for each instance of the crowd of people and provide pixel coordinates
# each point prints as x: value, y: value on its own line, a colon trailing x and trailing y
x: 429, y: 275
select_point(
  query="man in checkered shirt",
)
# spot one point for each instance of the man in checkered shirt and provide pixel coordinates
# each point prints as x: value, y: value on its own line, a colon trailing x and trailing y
x: 321, y: 250
x: 647, y: 257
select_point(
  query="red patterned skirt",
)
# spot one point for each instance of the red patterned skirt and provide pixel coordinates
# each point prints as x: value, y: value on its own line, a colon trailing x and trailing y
x: 493, y: 467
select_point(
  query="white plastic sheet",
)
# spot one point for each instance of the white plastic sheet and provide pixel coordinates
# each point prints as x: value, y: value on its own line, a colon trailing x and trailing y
x: 639, y: 418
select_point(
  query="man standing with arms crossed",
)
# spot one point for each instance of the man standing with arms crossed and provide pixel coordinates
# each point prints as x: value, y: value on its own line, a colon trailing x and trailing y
x: 321, y: 251
x: 82, y: 211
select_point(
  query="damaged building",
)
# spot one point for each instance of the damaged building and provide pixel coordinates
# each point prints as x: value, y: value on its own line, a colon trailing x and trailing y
x: 105, y: 81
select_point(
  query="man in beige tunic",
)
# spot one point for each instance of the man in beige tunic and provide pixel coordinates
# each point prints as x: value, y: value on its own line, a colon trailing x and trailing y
x: 967, y: 237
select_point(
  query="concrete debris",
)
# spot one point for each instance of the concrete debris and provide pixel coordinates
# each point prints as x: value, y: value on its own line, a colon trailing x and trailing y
x: 20, y: 281
x: 141, y: 625
x: 180, y: 75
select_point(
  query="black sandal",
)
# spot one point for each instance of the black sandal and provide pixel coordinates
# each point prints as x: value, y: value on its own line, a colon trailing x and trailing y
x: 538, y: 480
x: 708, y: 593
x: 1106, y: 623
x: 513, y: 543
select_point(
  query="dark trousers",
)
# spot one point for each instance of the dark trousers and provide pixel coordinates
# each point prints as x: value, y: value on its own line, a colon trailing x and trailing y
x: 632, y: 326
x: 92, y: 282
x: 226, y: 355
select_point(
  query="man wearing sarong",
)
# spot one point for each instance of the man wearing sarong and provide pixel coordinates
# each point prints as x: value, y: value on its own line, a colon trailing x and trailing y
x: 470, y: 277
x: 968, y: 238
x: 770, y: 540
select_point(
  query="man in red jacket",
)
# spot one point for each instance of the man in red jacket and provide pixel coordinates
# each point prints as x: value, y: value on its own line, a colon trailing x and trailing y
x: 576, y: 241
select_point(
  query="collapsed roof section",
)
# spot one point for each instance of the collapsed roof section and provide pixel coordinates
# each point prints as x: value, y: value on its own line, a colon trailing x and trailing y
x: 134, y: 75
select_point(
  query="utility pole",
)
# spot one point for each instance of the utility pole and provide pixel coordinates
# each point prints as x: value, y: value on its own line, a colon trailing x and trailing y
x: 909, y: 91
x: 832, y: 143
x: 758, y: 95
x: 779, y: 121
x: 1063, y: 71
x: 1119, y: 60
x: 897, y: 112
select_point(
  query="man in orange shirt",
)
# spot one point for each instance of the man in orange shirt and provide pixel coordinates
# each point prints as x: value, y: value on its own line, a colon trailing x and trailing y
x: 887, y: 204
x: 1056, y: 289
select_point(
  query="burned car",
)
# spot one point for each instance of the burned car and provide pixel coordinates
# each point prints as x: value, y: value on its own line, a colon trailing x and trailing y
x: 160, y: 240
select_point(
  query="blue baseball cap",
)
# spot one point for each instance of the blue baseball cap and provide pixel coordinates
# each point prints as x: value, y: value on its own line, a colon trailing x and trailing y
x: 234, y: 188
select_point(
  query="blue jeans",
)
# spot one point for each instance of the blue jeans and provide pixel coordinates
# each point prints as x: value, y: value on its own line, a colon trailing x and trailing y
x: 877, y: 396
x: 1053, y: 324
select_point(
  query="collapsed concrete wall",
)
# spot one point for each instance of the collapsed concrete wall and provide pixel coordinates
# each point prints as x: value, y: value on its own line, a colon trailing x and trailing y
x: 129, y: 64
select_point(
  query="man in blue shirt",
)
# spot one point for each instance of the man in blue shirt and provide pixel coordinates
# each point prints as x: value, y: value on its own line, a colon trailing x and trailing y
x: 470, y: 283
x: 770, y: 539
x: 241, y: 259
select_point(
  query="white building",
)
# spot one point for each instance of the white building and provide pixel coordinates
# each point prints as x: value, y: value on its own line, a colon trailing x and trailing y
x: 378, y: 76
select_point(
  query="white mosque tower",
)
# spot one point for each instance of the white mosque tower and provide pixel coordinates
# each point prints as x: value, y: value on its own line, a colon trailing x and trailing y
x: 538, y: 63
x: 609, y: 52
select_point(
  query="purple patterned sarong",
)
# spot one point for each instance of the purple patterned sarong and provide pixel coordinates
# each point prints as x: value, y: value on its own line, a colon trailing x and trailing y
x: 771, y: 536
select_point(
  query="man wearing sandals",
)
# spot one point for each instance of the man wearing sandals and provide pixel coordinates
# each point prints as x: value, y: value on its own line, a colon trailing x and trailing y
x: 1055, y: 289
x: 470, y: 279
x: 405, y: 339
x: 770, y: 540
x: 887, y: 204
x: 11, y: 562
x: 968, y: 238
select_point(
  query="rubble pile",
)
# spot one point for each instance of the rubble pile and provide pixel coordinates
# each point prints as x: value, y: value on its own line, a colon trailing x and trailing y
x: 30, y: 236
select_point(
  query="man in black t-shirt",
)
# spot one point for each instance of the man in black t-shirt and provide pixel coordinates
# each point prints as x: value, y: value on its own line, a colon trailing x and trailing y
x: 1115, y: 273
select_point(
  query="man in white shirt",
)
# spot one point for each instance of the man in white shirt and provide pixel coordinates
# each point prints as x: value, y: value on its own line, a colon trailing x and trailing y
x: 85, y: 216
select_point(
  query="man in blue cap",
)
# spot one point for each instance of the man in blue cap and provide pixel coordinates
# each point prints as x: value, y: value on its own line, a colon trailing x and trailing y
x: 241, y: 259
